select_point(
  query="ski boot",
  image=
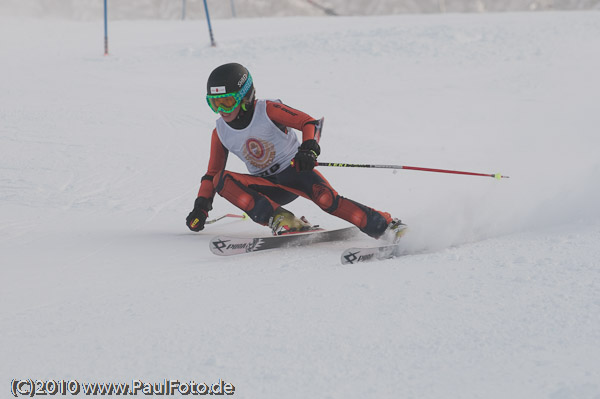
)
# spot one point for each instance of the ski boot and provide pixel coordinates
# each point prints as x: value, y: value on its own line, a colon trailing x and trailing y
x: 394, y: 231
x: 284, y: 222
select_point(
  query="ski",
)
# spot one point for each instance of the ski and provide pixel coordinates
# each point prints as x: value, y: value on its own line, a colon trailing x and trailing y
x: 229, y: 245
x: 370, y: 254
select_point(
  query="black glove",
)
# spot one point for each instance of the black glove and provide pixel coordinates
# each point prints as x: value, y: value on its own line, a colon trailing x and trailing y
x: 307, y: 154
x: 197, y: 217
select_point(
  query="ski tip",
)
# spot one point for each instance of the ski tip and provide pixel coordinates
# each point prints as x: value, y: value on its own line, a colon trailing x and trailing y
x: 352, y: 256
x: 369, y: 254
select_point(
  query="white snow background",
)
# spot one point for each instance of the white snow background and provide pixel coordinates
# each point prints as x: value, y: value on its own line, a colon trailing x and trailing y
x: 101, y: 158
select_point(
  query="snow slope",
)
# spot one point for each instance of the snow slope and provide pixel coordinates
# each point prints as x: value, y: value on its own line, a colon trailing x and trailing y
x: 101, y: 158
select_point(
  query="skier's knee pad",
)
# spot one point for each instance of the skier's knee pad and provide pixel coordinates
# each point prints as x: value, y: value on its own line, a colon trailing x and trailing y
x: 257, y: 206
x: 234, y: 192
x: 325, y: 198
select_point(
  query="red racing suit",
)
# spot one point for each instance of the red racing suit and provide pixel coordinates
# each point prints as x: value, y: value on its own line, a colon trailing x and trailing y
x: 261, y: 193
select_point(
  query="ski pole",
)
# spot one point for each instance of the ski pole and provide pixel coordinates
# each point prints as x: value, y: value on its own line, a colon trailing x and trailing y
x: 354, y: 165
x: 229, y: 215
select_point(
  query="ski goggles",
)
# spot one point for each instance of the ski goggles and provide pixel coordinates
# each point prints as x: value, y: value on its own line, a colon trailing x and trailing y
x: 228, y: 102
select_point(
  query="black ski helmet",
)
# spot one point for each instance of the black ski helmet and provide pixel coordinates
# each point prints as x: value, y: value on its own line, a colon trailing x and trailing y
x: 231, y: 78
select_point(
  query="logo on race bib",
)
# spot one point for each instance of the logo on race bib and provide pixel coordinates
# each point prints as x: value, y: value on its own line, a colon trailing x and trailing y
x: 259, y: 153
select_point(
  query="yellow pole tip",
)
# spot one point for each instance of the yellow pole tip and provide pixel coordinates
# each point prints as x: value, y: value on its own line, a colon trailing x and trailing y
x: 498, y: 176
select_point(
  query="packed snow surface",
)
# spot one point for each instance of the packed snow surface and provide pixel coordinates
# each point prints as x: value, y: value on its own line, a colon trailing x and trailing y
x: 101, y: 158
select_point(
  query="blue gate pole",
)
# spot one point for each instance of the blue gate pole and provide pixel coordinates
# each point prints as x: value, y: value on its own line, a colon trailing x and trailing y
x: 183, y: 11
x: 105, y: 29
x: 212, y: 39
x: 232, y: 8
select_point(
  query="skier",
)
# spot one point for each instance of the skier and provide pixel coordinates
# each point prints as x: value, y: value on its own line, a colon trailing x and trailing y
x: 280, y: 167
